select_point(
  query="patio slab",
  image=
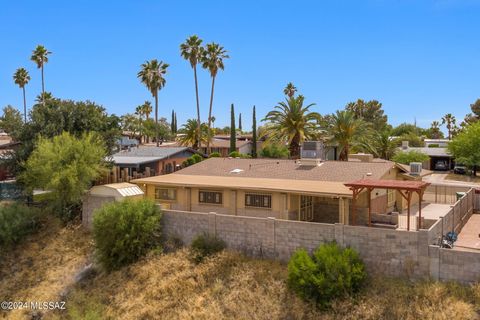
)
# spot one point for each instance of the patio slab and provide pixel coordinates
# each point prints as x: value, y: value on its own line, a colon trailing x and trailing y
x: 469, y: 236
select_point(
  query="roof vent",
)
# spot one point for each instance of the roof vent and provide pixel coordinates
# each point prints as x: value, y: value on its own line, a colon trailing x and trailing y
x: 237, y: 171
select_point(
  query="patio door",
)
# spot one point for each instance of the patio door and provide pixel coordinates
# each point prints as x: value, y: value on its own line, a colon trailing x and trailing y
x: 306, y: 208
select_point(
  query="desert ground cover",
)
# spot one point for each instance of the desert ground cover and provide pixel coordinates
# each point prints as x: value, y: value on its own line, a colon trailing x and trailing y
x: 226, y: 286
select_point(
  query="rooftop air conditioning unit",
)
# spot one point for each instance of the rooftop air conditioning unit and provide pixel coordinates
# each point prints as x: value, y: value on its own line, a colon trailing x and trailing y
x: 415, y: 168
x: 312, y: 153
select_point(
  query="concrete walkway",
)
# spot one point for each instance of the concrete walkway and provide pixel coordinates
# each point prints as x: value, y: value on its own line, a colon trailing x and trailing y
x: 469, y: 237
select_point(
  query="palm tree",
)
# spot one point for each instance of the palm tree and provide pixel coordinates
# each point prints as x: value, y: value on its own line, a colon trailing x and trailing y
x: 140, y: 112
x: 212, y: 59
x: 291, y: 122
x: 40, y: 57
x: 435, y: 130
x: 152, y: 76
x: 190, y: 136
x: 44, y: 97
x: 290, y: 90
x: 346, y: 130
x: 192, y: 51
x: 147, y: 109
x: 377, y: 143
x: 21, y: 78
x: 450, y: 122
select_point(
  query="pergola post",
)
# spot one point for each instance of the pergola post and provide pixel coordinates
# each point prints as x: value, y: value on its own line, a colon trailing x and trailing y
x: 420, y: 198
x: 354, y: 207
x: 409, y: 197
x: 369, y: 193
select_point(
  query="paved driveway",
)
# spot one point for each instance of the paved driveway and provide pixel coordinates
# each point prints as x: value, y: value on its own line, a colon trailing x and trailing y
x: 439, y: 178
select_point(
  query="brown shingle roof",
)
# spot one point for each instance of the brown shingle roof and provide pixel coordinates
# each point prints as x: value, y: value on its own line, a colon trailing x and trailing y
x: 339, y: 171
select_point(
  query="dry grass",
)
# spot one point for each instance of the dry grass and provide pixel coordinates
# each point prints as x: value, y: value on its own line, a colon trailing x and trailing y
x: 39, y: 268
x: 227, y: 286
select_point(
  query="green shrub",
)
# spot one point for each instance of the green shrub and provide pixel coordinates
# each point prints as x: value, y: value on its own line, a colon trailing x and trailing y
x: 274, y: 151
x: 125, y: 231
x: 16, y: 221
x: 236, y: 154
x: 330, y: 272
x: 172, y: 243
x: 192, y: 160
x: 196, y: 158
x: 205, y: 245
x: 215, y: 155
x: 434, y: 145
x: 406, y: 157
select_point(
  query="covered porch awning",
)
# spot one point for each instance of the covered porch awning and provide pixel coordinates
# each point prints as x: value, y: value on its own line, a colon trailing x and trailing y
x: 404, y: 187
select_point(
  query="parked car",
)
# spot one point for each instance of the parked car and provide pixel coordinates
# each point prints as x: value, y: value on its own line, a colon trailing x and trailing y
x: 441, y: 165
x: 460, y: 169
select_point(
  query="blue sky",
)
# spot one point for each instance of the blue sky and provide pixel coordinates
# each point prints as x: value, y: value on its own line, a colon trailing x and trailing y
x: 421, y: 59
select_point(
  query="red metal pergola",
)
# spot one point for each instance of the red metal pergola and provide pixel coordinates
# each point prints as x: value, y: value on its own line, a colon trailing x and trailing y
x: 405, y: 187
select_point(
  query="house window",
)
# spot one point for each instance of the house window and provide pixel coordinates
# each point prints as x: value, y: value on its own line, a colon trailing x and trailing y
x: 165, y: 194
x: 213, y: 197
x: 258, y: 200
x: 390, y: 197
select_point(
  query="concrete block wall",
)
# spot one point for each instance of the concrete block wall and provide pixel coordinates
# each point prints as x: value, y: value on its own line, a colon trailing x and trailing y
x: 291, y: 235
x: 454, y: 265
x: 252, y: 236
x: 391, y: 252
x: 184, y: 224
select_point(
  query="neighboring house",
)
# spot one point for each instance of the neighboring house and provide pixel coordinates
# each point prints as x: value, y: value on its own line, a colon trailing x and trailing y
x: 147, y: 161
x: 439, y: 158
x: 222, y: 146
x: 432, y: 143
x: 126, y: 142
x: 302, y: 189
x: 7, y: 147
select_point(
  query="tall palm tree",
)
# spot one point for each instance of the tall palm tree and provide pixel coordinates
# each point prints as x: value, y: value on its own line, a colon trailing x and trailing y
x: 190, y: 136
x: 212, y: 59
x: 450, y: 122
x: 290, y: 90
x: 21, y: 78
x: 147, y: 109
x: 292, y: 122
x: 346, y: 130
x: 151, y: 75
x: 40, y: 57
x: 140, y: 111
x: 192, y: 51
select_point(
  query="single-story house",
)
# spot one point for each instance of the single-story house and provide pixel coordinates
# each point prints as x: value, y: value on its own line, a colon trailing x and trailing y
x: 436, y: 143
x: 147, y: 161
x: 222, y: 146
x: 302, y: 189
x: 439, y: 157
